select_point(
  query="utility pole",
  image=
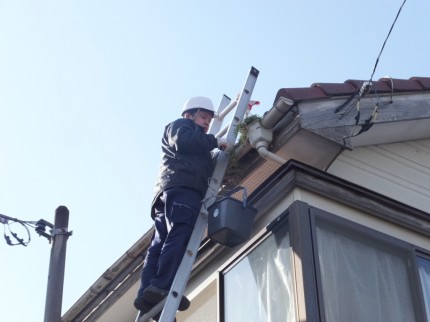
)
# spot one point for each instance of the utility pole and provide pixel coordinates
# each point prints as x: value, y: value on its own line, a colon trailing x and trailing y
x: 54, y: 294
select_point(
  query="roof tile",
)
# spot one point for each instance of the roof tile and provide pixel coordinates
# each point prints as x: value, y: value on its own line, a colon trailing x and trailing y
x: 328, y: 90
x: 300, y: 94
x: 423, y: 81
x: 402, y: 85
x: 336, y: 89
x: 377, y: 86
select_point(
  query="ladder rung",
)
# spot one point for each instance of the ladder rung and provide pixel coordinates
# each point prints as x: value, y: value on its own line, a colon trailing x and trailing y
x: 217, y: 122
x: 222, y: 132
x: 227, y: 110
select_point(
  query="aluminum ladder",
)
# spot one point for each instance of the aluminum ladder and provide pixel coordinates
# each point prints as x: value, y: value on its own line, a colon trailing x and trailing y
x: 170, y: 304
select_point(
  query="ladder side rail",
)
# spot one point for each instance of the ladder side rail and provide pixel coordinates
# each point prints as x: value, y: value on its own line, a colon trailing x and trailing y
x: 223, y: 157
x: 155, y: 309
x: 218, y: 121
x: 224, y: 130
x: 182, y: 275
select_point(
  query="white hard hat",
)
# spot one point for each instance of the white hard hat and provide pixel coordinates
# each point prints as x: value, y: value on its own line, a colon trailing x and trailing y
x: 198, y: 102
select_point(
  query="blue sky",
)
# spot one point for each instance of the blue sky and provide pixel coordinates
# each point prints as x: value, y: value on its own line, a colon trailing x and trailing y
x: 86, y: 88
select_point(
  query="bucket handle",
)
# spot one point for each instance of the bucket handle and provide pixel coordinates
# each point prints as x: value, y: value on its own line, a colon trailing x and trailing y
x: 236, y: 189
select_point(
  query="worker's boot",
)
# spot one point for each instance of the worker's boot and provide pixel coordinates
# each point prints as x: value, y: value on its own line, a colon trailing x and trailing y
x: 154, y: 294
x: 144, y: 307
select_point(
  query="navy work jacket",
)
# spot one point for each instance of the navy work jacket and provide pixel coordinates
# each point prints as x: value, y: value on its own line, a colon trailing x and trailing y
x: 186, y: 159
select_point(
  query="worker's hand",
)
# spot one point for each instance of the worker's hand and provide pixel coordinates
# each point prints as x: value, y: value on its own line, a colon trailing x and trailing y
x: 223, y: 144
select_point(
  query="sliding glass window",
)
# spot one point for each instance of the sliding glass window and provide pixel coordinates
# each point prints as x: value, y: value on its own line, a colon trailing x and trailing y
x: 424, y: 269
x: 259, y: 288
x: 364, y: 278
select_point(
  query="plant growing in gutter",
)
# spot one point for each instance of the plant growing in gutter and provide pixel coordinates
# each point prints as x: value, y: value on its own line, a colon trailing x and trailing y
x: 234, y: 171
x: 242, y: 127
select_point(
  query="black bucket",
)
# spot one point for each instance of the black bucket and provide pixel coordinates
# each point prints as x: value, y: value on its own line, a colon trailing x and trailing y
x: 230, y: 220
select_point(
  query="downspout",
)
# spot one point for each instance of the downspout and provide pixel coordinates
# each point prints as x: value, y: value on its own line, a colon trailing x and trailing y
x: 260, y: 134
x: 260, y: 139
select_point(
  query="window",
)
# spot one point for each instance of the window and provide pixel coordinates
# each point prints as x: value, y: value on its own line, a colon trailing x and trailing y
x: 259, y: 288
x: 424, y: 269
x: 344, y: 272
x: 364, y: 278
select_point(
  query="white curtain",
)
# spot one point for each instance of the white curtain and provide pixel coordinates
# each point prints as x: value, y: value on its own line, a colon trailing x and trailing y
x: 260, y: 288
x: 363, y: 280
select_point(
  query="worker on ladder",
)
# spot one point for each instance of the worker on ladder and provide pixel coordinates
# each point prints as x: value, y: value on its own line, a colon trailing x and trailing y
x: 186, y: 167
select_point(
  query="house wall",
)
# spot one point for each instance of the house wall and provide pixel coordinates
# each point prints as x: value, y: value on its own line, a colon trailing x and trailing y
x: 202, y: 288
x: 363, y: 218
x: 399, y: 170
x: 203, y: 305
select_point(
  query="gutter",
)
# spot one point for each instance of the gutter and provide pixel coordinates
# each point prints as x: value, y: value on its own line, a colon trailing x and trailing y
x: 118, y: 273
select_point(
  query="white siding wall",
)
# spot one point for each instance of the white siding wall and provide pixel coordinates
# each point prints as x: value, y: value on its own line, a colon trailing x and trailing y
x: 204, y: 306
x: 399, y: 170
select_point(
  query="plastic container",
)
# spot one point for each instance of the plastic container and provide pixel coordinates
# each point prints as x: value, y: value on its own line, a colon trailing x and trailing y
x: 230, y: 220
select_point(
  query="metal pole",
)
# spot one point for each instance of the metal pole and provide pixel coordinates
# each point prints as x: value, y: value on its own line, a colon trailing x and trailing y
x: 54, y: 293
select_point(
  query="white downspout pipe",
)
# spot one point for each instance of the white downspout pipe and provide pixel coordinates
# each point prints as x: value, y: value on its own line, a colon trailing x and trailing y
x: 260, y: 138
x: 266, y: 154
x: 260, y: 134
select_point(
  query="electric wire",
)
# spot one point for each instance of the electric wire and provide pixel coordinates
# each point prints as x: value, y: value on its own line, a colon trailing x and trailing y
x: 385, y: 41
x: 364, y: 89
x: 11, y: 237
x: 17, y: 240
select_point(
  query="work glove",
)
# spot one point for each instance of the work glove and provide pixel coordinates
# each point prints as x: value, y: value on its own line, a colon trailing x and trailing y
x: 223, y: 144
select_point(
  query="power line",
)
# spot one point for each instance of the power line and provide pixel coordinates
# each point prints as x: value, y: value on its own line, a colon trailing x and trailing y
x: 354, y: 99
x: 12, y: 238
x: 385, y: 41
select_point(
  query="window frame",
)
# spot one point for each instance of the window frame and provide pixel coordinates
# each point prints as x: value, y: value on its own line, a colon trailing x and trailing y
x: 425, y: 255
x: 408, y: 249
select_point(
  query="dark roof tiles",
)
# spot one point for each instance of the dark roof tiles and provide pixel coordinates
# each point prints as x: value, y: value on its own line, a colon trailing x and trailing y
x: 377, y: 87
x: 329, y: 90
x: 423, y: 81
x: 334, y: 89
x: 402, y: 85
x: 301, y: 94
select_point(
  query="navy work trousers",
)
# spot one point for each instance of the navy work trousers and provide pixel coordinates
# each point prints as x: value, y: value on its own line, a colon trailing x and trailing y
x: 176, y: 214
